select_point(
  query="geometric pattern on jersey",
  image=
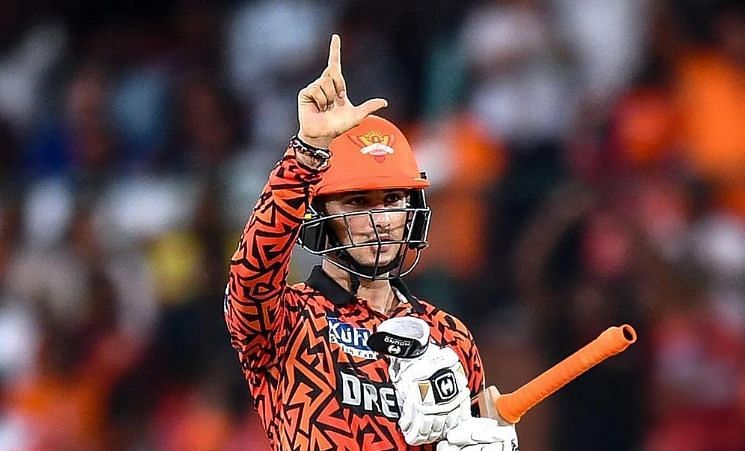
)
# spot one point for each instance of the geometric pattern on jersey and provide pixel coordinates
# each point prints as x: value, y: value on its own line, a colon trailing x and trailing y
x: 302, y: 348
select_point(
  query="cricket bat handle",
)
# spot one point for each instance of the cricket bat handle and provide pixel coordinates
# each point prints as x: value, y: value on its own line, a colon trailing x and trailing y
x: 512, y: 406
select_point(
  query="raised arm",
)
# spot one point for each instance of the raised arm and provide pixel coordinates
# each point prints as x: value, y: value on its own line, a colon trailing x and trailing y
x: 258, y: 315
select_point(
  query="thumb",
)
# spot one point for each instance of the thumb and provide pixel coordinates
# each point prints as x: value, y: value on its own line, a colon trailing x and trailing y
x: 369, y: 107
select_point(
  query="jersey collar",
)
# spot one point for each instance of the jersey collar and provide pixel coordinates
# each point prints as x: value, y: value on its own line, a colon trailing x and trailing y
x: 324, y: 284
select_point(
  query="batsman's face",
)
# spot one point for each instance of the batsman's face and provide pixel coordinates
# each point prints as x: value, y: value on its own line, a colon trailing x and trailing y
x: 361, y: 228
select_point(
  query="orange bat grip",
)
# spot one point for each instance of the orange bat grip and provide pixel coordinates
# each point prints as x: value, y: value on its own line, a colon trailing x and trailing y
x: 614, y: 340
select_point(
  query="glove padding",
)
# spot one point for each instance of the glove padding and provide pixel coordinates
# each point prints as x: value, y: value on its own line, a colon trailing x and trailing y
x: 480, y: 434
x: 433, y: 394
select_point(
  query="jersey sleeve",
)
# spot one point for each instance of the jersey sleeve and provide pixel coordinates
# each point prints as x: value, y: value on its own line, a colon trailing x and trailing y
x: 259, y: 311
x: 456, y: 335
x: 468, y: 354
x: 474, y: 366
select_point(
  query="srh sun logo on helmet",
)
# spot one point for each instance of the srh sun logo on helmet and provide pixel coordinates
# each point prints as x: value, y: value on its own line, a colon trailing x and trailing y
x: 374, y: 143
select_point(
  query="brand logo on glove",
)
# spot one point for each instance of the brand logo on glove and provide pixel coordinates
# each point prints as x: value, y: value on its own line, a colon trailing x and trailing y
x: 443, y: 384
x: 396, y: 345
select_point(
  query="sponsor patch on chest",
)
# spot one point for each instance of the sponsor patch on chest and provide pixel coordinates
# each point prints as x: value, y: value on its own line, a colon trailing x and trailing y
x: 365, y: 397
x: 352, y: 340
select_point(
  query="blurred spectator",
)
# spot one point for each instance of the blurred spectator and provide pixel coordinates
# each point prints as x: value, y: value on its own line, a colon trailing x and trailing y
x: 140, y: 113
x: 709, y: 95
x: 19, y: 328
x: 207, y: 125
x: 23, y: 70
x: 62, y: 402
x: 521, y: 88
x: 270, y: 44
x: 606, y: 39
x: 463, y: 165
x: 81, y: 142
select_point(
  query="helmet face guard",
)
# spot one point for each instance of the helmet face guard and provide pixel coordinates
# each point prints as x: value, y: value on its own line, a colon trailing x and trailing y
x: 317, y: 237
x: 374, y: 155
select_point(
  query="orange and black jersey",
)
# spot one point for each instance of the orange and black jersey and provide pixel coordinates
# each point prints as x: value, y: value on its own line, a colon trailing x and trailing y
x: 303, y: 348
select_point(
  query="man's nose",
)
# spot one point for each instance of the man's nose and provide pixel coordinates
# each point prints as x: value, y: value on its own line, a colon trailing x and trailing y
x: 382, y: 220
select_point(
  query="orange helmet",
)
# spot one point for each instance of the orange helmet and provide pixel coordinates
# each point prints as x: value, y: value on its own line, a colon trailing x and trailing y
x: 374, y: 155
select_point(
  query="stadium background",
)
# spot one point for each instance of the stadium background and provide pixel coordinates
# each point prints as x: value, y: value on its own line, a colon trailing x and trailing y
x: 587, y: 160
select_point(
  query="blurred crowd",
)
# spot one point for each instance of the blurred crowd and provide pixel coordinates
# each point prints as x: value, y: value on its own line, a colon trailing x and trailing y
x: 587, y: 160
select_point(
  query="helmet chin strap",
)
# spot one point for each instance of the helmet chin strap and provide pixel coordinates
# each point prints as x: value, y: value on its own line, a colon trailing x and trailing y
x: 354, y: 283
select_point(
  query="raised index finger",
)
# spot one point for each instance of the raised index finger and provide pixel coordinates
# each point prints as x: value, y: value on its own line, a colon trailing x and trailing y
x: 335, y: 53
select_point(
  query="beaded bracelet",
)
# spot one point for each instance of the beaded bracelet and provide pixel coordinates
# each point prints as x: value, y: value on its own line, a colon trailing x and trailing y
x: 319, y: 156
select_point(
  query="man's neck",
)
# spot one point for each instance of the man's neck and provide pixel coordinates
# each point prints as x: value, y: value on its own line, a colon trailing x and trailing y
x: 378, y: 293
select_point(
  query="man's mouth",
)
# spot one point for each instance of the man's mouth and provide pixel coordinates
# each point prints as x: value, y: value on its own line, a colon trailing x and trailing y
x: 381, y: 238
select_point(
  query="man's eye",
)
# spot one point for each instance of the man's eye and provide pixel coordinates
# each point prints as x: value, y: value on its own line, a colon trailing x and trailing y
x: 357, y: 201
x: 393, y: 198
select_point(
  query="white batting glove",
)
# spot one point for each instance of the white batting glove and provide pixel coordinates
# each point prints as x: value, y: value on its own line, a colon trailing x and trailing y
x: 432, y: 392
x: 480, y: 434
x: 432, y: 388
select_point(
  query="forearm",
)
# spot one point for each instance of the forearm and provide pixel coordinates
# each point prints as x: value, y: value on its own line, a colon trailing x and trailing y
x: 258, y: 268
